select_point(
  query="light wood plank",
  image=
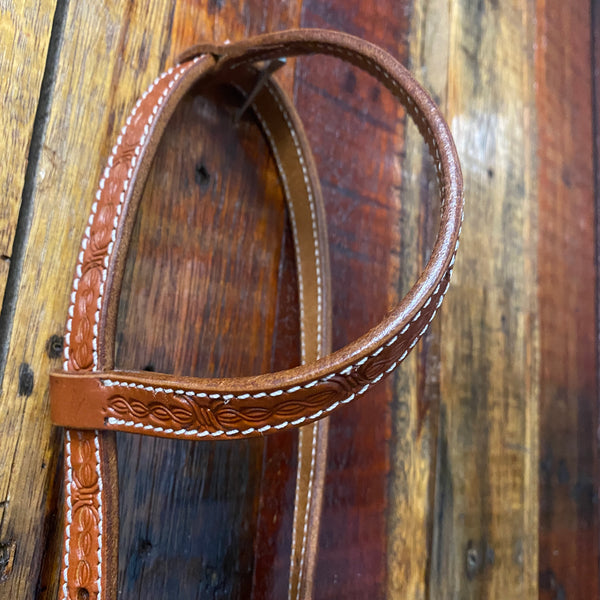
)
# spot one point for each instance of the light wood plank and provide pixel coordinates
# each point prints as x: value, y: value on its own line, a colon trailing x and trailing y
x: 25, y: 29
x: 485, y: 534
x: 110, y: 53
x: 411, y: 519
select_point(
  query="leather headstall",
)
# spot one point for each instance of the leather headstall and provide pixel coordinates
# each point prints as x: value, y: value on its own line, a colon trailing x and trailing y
x: 92, y: 399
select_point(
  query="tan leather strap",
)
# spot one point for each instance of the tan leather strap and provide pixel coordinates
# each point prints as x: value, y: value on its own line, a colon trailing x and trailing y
x: 307, y: 214
x: 194, y: 408
x: 91, y: 531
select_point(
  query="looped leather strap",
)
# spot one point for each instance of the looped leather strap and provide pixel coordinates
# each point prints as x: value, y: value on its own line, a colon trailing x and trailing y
x: 90, y: 395
x: 248, y: 406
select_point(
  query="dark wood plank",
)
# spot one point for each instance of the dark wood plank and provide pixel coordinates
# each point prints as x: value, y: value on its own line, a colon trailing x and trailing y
x: 567, y: 280
x: 201, y: 291
x: 225, y: 548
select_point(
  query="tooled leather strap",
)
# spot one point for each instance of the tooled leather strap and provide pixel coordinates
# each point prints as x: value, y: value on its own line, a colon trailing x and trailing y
x: 91, y: 531
x: 194, y: 408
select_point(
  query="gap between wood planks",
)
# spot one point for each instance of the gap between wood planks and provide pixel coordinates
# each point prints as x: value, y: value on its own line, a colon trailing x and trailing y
x: 595, y: 66
x: 24, y: 220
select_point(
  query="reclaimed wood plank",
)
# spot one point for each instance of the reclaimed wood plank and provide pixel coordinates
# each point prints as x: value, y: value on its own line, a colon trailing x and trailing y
x: 89, y: 104
x: 484, y: 542
x: 25, y: 29
x: 201, y: 300
x: 246, y: 208
x: 421, y: 502
x: 357, y: 129
x: 271, y: 519
x: 569, y: 545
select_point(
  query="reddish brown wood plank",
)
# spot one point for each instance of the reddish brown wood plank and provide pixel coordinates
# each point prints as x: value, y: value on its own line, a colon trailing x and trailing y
x: 567, y: 279
x: 200, y: 299
x: 356, y: 129
x: 276, y: 497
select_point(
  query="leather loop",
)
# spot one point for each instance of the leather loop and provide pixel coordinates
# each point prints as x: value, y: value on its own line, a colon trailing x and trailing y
x: 245, y: 406
x: 90, y: 395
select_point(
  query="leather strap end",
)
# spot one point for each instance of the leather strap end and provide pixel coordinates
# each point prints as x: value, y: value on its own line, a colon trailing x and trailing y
x: 217, y: 50
x: 82, y: 410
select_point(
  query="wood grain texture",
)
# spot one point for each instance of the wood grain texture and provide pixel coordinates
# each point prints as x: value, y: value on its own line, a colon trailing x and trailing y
x: 201, y: 300
x: 356, y: 128
x: 25, y: 29
x: 435, y: 479
x: 232, y: 300
x: 484, y: 542
x: 567, y: 280
x: 416, y: 393
x: 89, y: 104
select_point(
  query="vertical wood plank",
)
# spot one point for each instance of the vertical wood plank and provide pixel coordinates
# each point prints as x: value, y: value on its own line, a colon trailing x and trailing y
x: 233, y: 307
x: 25, y: 29
x: 357, y: 128
x: 412, y: 523
x: 201, y: 300
x: 109, y: 56
x: 567, y: 279
x: 485, y: 510
x: 274, y: 489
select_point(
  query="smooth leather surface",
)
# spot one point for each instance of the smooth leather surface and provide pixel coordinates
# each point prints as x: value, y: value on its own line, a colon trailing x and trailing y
x: 91, y: 396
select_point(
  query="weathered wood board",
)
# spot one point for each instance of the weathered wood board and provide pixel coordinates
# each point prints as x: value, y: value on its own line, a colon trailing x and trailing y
x: 567, y: 308
x: 472, y: 472
x: 25, y: 29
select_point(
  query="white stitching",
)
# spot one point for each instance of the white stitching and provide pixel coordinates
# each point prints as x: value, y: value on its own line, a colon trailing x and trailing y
x: 105, y: 175
x: 68, y: 515
x: 78, y: 275
x: 295, y: 518
x: 120, y: 383
x: 311, y: 204
x: 292, y: 217
x: 100, y: 513
x: 311, y: 477
x: 416, y: 112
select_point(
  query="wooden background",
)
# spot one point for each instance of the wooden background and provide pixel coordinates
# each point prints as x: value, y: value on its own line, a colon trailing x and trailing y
x: 473, y: 472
